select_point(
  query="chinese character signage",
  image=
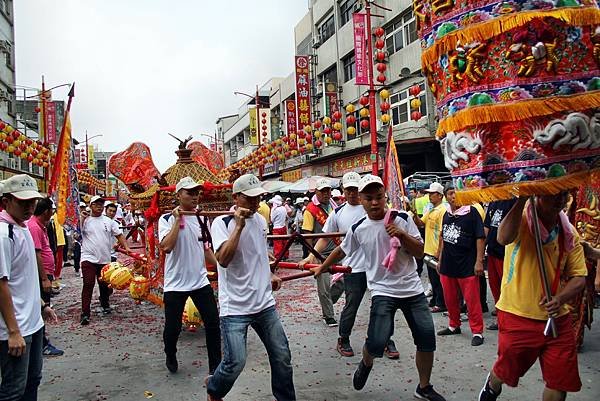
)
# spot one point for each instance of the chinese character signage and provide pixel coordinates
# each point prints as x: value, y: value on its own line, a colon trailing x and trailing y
x: 253, y: 126
x: 290, y: 117
x: 292, y: 175
x: 331, y: 99
x: 359, y: 163
x: 360, y: 23
x: 91, y: 161
x: 50, y: 122
x: 302, y: 92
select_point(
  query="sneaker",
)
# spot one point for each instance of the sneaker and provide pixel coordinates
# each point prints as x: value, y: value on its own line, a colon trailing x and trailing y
x: 208, y: 396
x: 344, y: 348
x: 106, y: 310
x: 486, y: 393
x: 477, y: 340
x: 449, y: 332
x: 51, y: 350
x: 361, y: 375
x: 391, y: 351
x: 428, y: 393
x: 172, y: 363
x: 329, y: 321
x: 492, y: 326
x: 85, y: 320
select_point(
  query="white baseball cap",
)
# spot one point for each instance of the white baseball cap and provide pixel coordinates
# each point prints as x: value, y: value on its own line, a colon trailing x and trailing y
x: 82, y: 204
x: 248, y: 185
x: 96, y: 198
x: 299, y: 201
x: 186, y: 183
x: 21, y: 186
x: 323, y: 183
x: 350, y: 179
x: 435, y: 187
x: 336, y: 193
x: 368, y: 180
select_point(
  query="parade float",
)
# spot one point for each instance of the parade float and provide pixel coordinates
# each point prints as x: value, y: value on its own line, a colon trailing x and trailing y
x: 517, y: 91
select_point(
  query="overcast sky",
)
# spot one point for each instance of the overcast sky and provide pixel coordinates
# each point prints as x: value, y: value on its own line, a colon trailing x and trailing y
x: 147, y: 67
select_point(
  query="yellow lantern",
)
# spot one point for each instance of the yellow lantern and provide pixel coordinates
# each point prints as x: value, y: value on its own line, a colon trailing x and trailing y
x: 307, y: 128
x: 121, y: 278
x: 292, y: 136
x: 350, y: 108
x: 278, y: 141
x: 384, y: 94
x: 326, y: 120
x: 337, y: 126
x: 415, y: 103
x: 294, y: 152
x: 10, y: 149
x: 328, y: 140
x: 191, y: 316
x: 364, y: 112
x: 108, y: 270
x: 385, y: 118
x: 8, y: 129
x: 351, y: 130
x: 139, y: 287
x: 309, y: 146
x: 317, y: 134
x: 301, y: 141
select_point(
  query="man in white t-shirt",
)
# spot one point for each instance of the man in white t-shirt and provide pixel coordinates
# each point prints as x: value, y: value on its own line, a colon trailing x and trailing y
x: 279, y: 216
x: 355, y: 283
x: 245, y: 294
x: 182, y: 238
x: 394, y: 287
x: 21, y: 307
x: 97, y: 232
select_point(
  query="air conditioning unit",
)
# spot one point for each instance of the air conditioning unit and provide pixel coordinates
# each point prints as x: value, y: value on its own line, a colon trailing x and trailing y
x: 316, y: 41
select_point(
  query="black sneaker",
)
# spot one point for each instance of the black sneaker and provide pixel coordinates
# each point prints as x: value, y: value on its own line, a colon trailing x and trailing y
x: 85, y: 320
x: 477, y: 340
x: 172, y: 363
x: 428, y: 393
x: 361, y: 375
x: 329, y: 321
x: 391, y: 351
x: 492, y: 326
x: 448, y: 331
x: 344, y: 348
x: 486, y: 393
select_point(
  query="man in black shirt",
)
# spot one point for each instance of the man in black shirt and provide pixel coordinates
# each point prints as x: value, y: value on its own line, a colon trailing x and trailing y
x: 495, y: 252
x: 461, y: 247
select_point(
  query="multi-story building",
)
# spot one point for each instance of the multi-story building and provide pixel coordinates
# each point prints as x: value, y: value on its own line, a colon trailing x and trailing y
x: 326, y: 35
x: 7, y: 63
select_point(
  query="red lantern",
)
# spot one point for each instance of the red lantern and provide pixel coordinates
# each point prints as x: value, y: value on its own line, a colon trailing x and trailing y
x: 264, y: 133
x: 379, y: 32
x: 28, y: 142
x: 301, y: 149
x: 3, y: 145
x: 318, y: 124
x: 318, y: 143
x: 416, y: 115
x: 2, y: 125
x: 380, y: 56
x: 364, y: 101
x: 385, y: 106
x: 309, y: 139
x: 327, y: 130
x: 414, y: 90
x: 337, y: 136
x: 381, y: 78
x: 10, y: 139
x: 22, y: 146
x: 263, y: 121
x: 263, y: 114
x: 29, y: 158
x: 380, y: 44
x: 288, y: 154
x: 364, y: 124
x: 337, y: 116
x: 16, y: 134
x: 37, y: 109
x: 17, y: 152
x: 350, y: 120
x: 381, y: 67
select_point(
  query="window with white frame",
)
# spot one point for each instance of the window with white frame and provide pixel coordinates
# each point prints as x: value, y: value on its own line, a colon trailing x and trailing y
x: 400, y: 105
x: 401, y: 32
x: 349, y: 63
x: 326, y: 29
x: 346, y: 11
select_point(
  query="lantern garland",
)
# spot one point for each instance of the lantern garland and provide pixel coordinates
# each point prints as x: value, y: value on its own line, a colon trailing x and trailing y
x: 87, y: 179
x: 14, y: 142
x: 415, y: 103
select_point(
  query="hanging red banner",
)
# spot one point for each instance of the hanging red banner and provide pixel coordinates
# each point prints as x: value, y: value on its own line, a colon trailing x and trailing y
x: 360, y: 63
x: 50, y: 122
x: 290, y: 119
x: 302, y: 92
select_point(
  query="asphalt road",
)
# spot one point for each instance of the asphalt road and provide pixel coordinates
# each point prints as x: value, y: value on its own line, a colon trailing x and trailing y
x: 120, y: 357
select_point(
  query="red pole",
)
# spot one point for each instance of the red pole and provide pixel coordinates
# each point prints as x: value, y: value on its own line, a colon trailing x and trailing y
x: 372, y: 109
x: 258, y: 133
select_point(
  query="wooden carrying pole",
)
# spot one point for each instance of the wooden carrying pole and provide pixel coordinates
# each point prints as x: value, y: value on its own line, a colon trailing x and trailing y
x: 551, y: 324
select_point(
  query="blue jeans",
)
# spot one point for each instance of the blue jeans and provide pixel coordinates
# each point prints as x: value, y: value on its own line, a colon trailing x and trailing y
x: 355, y: 286
x: 22, y: 375
x: 234, y: 330
x: 381, y: 322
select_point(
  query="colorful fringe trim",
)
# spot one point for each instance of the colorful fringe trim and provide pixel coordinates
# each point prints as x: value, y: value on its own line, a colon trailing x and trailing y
x: 550, y: 186
x: 483, y: 31
x: 517, y: 111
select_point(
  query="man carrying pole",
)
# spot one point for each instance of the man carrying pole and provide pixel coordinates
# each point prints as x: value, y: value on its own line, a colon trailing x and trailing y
x: 524, y: 309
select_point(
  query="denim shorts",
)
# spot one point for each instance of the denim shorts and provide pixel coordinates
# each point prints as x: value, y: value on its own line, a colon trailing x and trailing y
x: 381, y: 322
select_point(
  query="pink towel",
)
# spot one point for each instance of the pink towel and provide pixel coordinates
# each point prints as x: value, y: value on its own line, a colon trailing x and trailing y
x: 317, y: 203
x: 389, y: 259
x: 568, y: 237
